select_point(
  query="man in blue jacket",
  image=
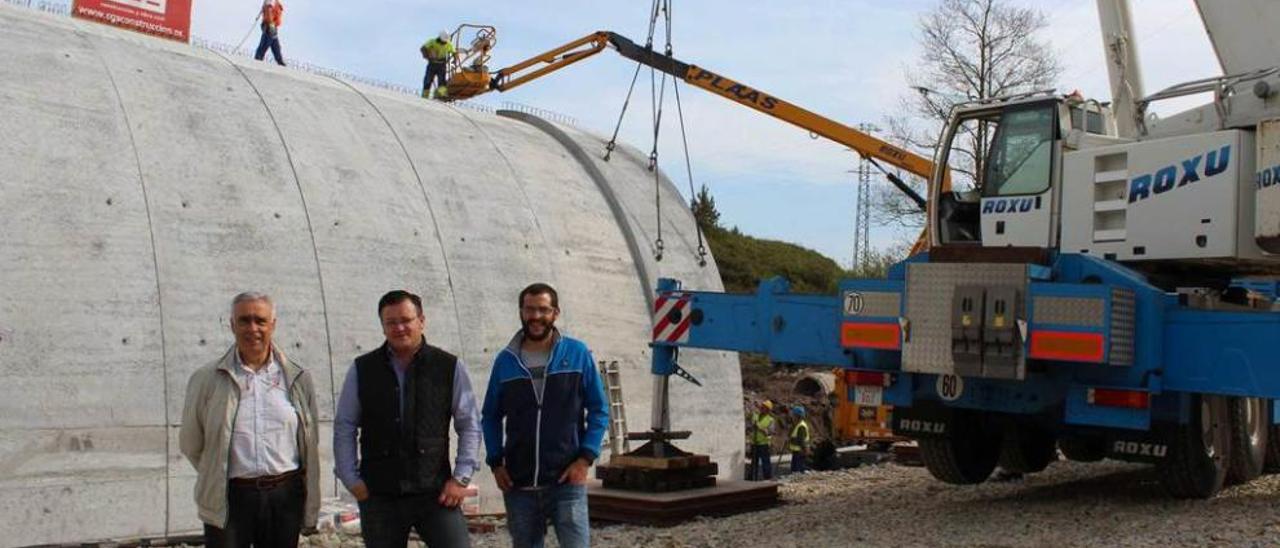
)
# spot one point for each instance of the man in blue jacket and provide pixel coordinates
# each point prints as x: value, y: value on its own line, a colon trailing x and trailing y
x: 545, y: 388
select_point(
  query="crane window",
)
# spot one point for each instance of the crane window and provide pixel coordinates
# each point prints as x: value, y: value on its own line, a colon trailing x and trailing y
x: 1021, y: 154
x: 1088, y: 120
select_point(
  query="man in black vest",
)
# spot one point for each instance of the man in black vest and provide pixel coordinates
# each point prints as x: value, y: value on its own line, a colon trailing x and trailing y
x: 400, y: 398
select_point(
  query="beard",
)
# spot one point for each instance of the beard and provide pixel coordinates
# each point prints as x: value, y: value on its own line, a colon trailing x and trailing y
x: 537, y: 337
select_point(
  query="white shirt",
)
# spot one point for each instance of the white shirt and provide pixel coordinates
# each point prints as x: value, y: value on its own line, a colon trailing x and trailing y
x: 264, y: 439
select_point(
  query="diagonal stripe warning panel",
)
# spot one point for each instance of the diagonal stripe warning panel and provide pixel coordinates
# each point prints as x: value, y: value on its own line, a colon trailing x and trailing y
x: 671, y: 318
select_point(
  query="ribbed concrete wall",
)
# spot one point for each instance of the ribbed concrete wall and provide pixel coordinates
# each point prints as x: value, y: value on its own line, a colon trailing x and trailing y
x: 143, y: 183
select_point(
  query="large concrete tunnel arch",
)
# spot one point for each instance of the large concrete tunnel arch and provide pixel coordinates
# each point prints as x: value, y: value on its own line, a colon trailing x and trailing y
x: 143, y: 183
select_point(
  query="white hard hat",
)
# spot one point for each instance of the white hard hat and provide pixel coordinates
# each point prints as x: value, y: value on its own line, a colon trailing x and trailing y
x: 444, y: 36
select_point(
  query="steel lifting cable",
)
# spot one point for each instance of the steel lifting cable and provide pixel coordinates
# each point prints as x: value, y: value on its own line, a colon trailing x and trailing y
x: 688, y: 166
x: 658, y: 96
x: 613, y: 141
x: 609, y: 147
x: 684, y: 140
x: 252, y: 26
x: 655, y: 109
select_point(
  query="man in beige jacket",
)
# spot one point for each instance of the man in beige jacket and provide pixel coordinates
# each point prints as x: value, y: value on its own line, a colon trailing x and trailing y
x: 249, y: 429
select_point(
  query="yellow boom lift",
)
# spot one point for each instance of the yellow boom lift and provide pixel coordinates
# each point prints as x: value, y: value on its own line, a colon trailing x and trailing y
x: 471, y: 79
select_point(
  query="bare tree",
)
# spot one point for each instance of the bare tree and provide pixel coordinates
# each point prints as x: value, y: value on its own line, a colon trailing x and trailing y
x: 878, y: 261
x: 972, y: 49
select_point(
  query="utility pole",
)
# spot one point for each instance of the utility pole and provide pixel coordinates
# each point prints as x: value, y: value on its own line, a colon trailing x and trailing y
x: 862, y: 209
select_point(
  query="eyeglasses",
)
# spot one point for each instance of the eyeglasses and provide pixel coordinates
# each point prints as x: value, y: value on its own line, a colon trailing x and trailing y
x: 537, y: 310
x: 397, y: 323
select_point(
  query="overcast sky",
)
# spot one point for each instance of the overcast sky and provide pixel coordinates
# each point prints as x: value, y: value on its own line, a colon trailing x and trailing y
x: 844, y: 59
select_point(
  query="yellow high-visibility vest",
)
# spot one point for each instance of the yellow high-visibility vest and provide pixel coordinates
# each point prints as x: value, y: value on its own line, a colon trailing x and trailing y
x: 762, y: 431
x: 437, y: 51
x: 799, y: 437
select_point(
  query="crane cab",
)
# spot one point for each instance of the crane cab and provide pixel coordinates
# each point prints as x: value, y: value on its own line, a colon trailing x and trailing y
x: 1005, y: 159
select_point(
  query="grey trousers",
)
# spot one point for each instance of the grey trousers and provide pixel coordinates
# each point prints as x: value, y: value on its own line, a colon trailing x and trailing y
x: 385, y: 522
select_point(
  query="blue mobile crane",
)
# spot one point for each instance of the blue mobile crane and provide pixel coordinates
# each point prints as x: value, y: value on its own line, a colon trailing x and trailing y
x: 1097, y: 291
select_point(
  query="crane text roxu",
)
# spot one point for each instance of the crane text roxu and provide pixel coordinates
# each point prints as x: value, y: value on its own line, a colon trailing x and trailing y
x: 1166, y: 178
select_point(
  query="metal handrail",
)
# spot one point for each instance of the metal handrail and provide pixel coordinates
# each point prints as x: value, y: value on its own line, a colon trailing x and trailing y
x: 545, y: 114
x: 1203, y: 85
x: 1005, y: 98
x: 64, y: 10
x: 1223, y: 88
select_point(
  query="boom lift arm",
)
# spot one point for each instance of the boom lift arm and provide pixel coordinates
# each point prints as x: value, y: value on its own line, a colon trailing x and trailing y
x: 540, y: 65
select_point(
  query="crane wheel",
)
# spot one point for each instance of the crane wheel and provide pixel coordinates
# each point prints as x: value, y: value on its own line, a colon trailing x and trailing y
x: 1271, y: 464
x: 1250, y: 429
x: 1199, y: 451
x: 967, y: 456
x: 1026, y: 449
x: 1083, y: 449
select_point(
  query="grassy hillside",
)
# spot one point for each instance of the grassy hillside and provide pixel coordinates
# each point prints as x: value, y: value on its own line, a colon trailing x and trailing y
x: 745, y: 260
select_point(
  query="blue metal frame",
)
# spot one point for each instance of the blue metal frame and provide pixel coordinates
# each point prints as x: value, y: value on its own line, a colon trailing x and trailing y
x: 1086, y: 291
x: 1176, y: 350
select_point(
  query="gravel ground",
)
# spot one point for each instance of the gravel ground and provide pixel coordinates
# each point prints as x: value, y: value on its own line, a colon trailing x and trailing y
x: 1070, y: 504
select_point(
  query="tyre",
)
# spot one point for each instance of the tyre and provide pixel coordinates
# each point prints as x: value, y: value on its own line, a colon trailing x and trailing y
x: 1250, y: 425
x: 1083, y: 449
x: 1271, y: 464
x: 1026, y: 449
x: 967, y: 456
x: 1199, y: 451
x: 825, y: 456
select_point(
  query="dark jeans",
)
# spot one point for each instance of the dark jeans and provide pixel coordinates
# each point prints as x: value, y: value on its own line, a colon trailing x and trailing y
x: 385, y: 522
x: 436, y: 70
x: 761, y: 465
x: 263, y: 518
x: 564, y: 505
x: 269, y: 40
x: 798, y: 462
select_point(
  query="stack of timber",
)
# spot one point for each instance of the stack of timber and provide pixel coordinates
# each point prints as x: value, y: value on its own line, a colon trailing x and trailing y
x: 659, y: 484
x: 645, y: 470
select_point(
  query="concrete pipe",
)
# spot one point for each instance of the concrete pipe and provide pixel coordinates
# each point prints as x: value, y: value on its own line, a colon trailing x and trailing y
x: 815, y: 384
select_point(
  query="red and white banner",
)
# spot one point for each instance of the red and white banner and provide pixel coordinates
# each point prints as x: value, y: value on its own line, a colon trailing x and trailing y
x: 668, y: 307
x: 164, y: 18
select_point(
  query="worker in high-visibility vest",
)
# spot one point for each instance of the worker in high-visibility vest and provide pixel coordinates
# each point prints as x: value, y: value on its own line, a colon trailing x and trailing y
x: 798, y: 443
x: 437, y: 51
x: 763, y: 426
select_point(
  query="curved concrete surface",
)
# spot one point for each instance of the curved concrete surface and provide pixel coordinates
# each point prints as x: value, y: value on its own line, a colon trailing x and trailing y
x: 143, y: 183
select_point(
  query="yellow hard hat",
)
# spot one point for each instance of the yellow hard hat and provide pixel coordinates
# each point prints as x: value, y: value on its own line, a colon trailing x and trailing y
x: 767, y: 405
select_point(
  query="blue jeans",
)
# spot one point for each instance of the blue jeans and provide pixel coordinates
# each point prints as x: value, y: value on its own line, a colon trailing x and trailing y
x: 564, y: 505
x: 269, y: 40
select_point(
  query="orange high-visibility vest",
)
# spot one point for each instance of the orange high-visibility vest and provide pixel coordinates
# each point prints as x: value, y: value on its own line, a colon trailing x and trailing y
x: 273, y: 13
